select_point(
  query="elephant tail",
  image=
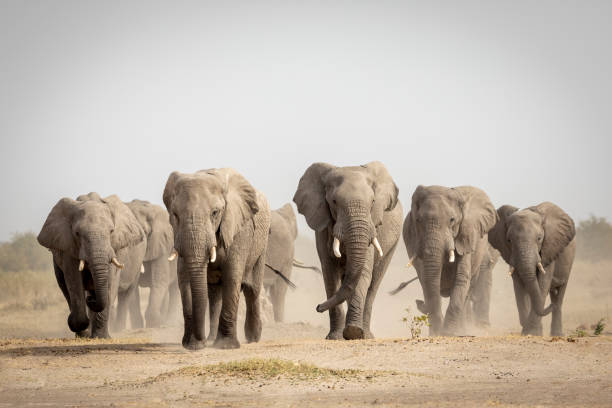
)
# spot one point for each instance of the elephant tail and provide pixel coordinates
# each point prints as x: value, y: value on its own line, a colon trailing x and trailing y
x: 283, y: 277
x: 402, y: 286
x: 300, y: 264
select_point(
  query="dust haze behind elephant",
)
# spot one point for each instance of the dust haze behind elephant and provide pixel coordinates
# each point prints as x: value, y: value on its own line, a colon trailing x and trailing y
x: 91, y: 240
x: 221, y: 226
x: 159, y: 273
x: 356, y: 216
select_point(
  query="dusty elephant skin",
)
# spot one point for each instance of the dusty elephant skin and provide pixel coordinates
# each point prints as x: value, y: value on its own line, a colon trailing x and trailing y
x: 280, y: 257
x: 221, y: 226
x: 159, y: 273
x: 91, y: 239
x: 539, y: 245
x: 445, y: 234
x: 356, y: 216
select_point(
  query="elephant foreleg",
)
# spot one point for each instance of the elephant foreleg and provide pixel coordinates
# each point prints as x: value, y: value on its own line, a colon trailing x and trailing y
x: 278, y: 292
x: 252, y: 324
x: 378, y: 272
x: 136, y: 319
x: 556, y: 297
x: 458, y: 296
x: 214, y: 303
x: 185, y: 291
x: 522, y: 300
x: 173, y: 303
x: 331, y: 278
x: 227, y: 335
x: 482, y: 296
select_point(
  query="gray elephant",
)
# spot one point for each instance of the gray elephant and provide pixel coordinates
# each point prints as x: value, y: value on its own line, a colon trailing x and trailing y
x: 539, y: 245
x: 445, y: 234
x: 159, y: 273
x: 221, y: 226
x: 91, y: 239
x: 280, y: 258
x: 356, y: 216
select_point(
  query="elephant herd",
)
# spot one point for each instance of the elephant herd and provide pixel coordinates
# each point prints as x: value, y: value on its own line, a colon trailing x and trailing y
x: 218, y: 237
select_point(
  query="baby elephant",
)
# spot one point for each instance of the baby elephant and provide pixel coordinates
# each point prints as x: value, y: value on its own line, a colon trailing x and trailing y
x: 539, y: 245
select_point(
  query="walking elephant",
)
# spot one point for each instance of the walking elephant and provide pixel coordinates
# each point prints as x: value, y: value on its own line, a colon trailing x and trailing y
x: 445, y: 234
x: 280, y: 258
x: 539, y: 245
x: 159, y: 273
x: 221, y: 226
x: 91, y: 239
x: 356, y: 216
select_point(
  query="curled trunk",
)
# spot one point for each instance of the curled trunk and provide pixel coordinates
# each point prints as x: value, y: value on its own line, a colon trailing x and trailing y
x: 535, y: 294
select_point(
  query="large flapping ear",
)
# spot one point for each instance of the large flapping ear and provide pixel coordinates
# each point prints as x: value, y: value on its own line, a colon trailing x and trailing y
x: 127, y: 231
x: 240, y: 203
x: 385, y: 191
x: 56, y: 233
x: 559, y: 230
x: 310, y: 196
x: 479, y: 216
x: 155, y: 222
x: 169, y: 190
x: 286, y: 211
x: 497, y: 234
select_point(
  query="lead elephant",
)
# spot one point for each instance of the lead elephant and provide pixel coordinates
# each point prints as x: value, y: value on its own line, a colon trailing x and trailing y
x: 159, y: 273
x: 91, y: 239
x: 445, y: 234
x: 280, y: 258
x: 539, y: 245
x: 356, y: 216
x: 221, y: 226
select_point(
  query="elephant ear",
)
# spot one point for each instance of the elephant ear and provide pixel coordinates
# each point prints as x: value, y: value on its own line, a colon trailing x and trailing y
x: 479, y: 216
x: 559, y: 230
x: 155, y: 223
x: 410, y: 235
x: 286, y: 211
x: 128, y: 231
x: 56, y: 233
x: 169, y: 190
x: 497, y: 234
x: 240, y: 203
x: 385, y: 191
x: 310, y: 196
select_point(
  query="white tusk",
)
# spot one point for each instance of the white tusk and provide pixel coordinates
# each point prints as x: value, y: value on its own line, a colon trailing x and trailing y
x: 377, y: 246
x: 336, y: 247
x: 173, y: 255
x: 81, y: 265
x: 511, y: 270
x: 142, y: 268
x: 117, y: 263
x: 451, y: 256
x: 409, y: 264
x: 541, y: 268
x: 213, y: 254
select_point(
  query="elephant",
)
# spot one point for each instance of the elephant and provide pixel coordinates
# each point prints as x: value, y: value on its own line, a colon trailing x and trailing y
x: 91, y: 239
x: 539, y: 244
x: 445, y: 234
x: 356, y: 216
x: 280, y: 258
x: 159, y: 273
x: 221, y: 226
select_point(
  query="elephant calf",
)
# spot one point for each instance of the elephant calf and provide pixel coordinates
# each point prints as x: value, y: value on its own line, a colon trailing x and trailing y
x: 539, y: 245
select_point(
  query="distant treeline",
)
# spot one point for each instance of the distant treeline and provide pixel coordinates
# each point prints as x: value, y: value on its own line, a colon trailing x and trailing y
x: 22, y: 252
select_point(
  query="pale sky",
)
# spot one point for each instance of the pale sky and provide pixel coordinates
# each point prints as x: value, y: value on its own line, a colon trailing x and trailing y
x: 111, y: 96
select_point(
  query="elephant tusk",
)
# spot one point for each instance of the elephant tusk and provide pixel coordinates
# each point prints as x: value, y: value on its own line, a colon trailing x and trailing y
x: 173, y: 255
x: 213, y: 254
x: 511, y: 270
x: 117, y: 263
x: 298, y: 262
x: 81, y: 265
x: 541, y: 268
x: 409, y: 264
x: 377, y: 246
x: 142, y: 270
x: 336, y: 247
x: 451, y: 256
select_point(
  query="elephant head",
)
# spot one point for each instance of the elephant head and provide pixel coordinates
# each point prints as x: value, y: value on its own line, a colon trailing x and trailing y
x: 350, y: 202
x: 207, y: 209
x: 91, y: 230
x: 529, y: 240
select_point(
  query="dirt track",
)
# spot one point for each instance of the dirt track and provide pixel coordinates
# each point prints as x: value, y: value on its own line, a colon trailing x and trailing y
x: 468, y: 371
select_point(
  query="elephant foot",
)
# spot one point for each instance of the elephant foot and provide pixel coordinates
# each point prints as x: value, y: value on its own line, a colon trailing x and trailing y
x: 334, y: 335
x: 82, y: 334
x: 193, y: 344
x: 353, y: 333
x: 420, y: 304
x: 252, y: 331
x: 532, y: 331
x: 211, y: 338
x: 100, y: 334
x: 368, y: 334
x: 226, y: 343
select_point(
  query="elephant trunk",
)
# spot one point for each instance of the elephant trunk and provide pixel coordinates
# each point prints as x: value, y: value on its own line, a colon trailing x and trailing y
x: 358, y: 236
x: 100, y: 269
x: 527, y: 266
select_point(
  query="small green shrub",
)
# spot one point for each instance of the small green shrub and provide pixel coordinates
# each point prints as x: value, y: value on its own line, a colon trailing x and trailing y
x: 417, y: 323
x: 599, y: 327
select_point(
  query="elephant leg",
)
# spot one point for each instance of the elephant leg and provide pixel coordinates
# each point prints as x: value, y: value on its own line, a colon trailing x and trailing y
x: 120, y: 322
x: 454, y: 317
x: 159, y: 270
x: 136, y: 319
x: 61, y: 282
x: 331, y: 278
x: 164, y: 307
x: 214, y: 303
x: 173, y: 302
x: 522, y: 300
x: 227, y: 335
x: 378, y: 272
x: 556, y: 297
x: 278, y: 293
x: 482, y: 297
x: 252, y: 293
x: 185, y: 292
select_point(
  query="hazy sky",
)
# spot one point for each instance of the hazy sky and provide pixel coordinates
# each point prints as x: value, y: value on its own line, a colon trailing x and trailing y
x: 513, y: 97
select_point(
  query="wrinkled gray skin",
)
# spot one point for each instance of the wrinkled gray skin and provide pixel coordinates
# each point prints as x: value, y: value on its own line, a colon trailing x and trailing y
x: 219, y: 209
x: 280, y: 257
x: 354, y: 205
x: 442, y: 220
x: 159, y: 273
x: 546, y: 234
x: 94, y: 230
x: 480, y: 296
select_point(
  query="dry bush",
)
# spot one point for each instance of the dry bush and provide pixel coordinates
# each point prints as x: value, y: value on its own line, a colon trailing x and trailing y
x: 31, y: 290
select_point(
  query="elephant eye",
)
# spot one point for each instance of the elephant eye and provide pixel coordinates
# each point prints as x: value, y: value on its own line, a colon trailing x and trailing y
x: 539, y: 239
x: 452, y: 219
x: 214, y: 213
x: 509, y: 241
x: 175, y: 215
